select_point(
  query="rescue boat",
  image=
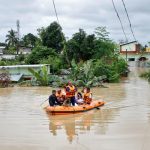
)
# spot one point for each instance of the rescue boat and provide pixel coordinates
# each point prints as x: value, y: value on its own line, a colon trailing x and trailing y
x: 74, y: 109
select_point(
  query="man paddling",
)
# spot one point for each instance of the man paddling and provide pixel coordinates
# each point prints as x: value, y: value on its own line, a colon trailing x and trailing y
x: 53, y: 99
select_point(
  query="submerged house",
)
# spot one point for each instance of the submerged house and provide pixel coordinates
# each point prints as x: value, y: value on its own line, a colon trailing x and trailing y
x: 132, y: 52
x: 18, y: 72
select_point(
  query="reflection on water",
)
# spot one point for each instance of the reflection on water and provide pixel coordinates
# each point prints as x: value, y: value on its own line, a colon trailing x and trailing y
x: 76, y: 124
x: 122, y: 124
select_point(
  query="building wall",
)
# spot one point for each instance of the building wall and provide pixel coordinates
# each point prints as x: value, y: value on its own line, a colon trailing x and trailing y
x: 22, y: 70
x: 136, y: 57
x: 131, y: 47
x: 148, y: 50
x: 7, y: 56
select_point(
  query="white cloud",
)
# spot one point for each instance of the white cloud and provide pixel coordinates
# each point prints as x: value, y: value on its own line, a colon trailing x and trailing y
x: 75, y: 14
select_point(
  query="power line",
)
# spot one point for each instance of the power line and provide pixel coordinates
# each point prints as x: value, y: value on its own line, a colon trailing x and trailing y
x: 55, y: 10
x: 119, y: 20
x: 128, y: 19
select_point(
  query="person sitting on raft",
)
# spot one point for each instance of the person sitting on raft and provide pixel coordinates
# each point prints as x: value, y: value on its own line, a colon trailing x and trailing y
x: 53, y: 99
x: 79, y: 99
x: 87, y: 96
x: 60, y: 96
x: 70, y: 92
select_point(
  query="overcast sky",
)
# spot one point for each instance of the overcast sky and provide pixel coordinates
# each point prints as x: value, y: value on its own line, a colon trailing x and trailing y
x: 75, y: 14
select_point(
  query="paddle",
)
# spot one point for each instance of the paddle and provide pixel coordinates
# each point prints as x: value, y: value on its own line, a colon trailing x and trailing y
x: 44, y: 102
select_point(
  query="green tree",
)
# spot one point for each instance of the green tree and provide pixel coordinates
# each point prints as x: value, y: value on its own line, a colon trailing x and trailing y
x: 29, y: 40
x: 55, y: 62
x: 12, y: 40
x: 104, y: 49
x: 41, y: 76
x: 81, y: 46
x: 52, y: 37
x: 102, y: 33
x: 39, y: 53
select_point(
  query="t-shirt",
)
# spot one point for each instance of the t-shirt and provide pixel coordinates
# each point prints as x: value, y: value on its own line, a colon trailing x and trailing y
x: 52, y: 100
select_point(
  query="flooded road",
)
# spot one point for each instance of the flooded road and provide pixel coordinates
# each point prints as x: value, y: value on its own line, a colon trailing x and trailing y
x: 122, y: 124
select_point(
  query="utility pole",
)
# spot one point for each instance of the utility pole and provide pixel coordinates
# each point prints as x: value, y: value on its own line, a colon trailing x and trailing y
x: 18, y: 35
x: 126, y: 55
x: 18, y: 29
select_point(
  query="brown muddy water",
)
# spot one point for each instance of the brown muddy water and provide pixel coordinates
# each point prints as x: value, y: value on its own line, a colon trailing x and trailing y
x: 122, y: 124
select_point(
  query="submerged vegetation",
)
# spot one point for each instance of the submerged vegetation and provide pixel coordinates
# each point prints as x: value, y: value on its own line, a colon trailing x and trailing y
x: 90, y: 59
x: 146, y: 75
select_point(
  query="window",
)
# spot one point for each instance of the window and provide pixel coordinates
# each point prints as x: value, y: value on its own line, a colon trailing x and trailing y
x: 131, y: 59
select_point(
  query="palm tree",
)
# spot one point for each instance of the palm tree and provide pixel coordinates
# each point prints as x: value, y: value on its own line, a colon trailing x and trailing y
x: 11, y: 39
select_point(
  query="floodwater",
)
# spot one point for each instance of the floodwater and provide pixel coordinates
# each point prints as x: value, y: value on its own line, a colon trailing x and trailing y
x: 122, y: 124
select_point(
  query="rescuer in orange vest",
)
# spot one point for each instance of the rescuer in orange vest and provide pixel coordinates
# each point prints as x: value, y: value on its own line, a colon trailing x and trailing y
x: 87, y: 96
x: 70, y: 92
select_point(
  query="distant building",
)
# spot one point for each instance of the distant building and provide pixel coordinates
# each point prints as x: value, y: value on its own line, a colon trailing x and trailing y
x: 147, y: 50
x: 21, y: 71
x: 131, y: 47
x: 7, y: 56
x: 2, y: 49
x: 25, y: 50
x: 22, y: 50
x: 132, y: 52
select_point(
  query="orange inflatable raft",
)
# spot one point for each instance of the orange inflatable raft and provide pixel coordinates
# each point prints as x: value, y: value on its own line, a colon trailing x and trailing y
x: 74, y: 109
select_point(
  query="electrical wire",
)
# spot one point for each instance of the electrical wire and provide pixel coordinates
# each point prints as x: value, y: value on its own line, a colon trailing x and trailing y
x: 55, y: 11
x: 119, y: 20
x: 129, y: 20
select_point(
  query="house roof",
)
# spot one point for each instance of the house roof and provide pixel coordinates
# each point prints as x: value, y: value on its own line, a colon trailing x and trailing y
x: 23, y: 66
x: 15, y: 77
x: 128, y: 43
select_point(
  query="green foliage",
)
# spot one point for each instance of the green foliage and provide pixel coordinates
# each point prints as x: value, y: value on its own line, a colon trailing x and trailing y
x: 83, y: 74
x: 39, y: 53
x: 5, y: 62
x: 102, y: 34
x: 81, y: 46
x: 52, y: 37
x: 103, y: 49
x: 10, y: 50
x: 20, y: 58
x: 55, y: 63
x: 41, y: 76
x: 146, y: 75
x: 112, y: 69
x: 90, y: 57
x: 92, y: 72
x: 12, y: 41
x: 75, y: 70
x: 29, y: 40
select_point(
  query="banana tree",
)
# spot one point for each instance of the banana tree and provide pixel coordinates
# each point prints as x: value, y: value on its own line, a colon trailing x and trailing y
x: 41, y: 76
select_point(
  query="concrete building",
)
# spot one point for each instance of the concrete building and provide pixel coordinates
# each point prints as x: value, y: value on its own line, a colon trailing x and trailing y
x: 22, y: 50
x: 132, y: 52
x: 21, y: 71
x: 1, y: 49
x: 25, y: 50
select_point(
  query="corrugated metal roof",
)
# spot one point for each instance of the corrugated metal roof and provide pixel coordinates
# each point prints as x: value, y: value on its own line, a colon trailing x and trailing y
x: 15, y: 77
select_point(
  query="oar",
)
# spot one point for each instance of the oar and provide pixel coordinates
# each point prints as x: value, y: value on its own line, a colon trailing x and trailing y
x: 44, y: 102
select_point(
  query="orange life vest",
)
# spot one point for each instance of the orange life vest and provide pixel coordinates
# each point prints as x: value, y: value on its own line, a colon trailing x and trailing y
x: 71, y: 91
x: 87, y: 98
